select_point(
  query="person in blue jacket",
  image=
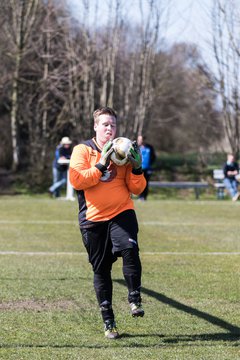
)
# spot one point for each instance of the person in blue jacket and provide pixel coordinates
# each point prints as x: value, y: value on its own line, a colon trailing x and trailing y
x: 148, y: 158
x: 63, y: 152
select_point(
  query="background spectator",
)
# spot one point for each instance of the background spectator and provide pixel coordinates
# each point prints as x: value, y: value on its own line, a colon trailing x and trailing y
x: 63, y: 152
x: 148, y: 158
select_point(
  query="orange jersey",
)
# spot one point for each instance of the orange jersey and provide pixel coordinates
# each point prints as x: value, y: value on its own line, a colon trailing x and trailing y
x: 101, y: 200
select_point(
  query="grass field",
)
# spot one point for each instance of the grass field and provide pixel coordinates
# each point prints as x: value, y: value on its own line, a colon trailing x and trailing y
x: 190, y: 253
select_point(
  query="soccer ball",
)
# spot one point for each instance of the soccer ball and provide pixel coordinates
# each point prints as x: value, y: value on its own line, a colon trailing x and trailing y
x: 121, y: 146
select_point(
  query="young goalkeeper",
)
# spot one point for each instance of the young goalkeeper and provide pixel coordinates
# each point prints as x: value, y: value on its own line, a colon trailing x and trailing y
x: 107, y: 218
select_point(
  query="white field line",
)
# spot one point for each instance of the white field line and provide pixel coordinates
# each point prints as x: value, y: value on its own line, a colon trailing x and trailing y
x: 71, y: 222
x: 190, y: 253
x: 213, y: 202
x: 58, y: 222
x: 56, y: 253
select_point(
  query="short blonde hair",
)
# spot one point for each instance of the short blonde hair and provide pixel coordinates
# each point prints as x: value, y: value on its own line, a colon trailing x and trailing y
x: 103, y: 111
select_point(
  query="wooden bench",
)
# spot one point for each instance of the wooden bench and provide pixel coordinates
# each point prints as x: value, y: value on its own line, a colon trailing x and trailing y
x: 181, y: 185
x: 218, y: 177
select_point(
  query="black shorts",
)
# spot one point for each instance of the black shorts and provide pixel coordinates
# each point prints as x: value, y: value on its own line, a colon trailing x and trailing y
x: 106, y: 240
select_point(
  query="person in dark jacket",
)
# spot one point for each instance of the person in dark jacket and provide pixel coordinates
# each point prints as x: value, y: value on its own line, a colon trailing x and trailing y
x: 60, y: 166
x: 148, y: 158
x: 231, y: 170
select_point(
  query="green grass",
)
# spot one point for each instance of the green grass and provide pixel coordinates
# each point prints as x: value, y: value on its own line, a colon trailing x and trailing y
x: 190, y: 290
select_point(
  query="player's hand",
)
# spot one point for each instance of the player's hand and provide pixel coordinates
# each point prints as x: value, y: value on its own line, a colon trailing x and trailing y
x: 134, y: 156
x: 106, y: 153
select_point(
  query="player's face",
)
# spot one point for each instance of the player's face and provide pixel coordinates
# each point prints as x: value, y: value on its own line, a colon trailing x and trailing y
x: 105, y: 129
x: 140, y: 140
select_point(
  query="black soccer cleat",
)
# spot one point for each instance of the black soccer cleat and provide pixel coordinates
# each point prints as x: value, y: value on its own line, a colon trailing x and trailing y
x: 110, y: 329
x: 137, y: 310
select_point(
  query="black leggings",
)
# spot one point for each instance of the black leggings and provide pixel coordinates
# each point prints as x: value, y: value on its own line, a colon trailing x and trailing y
x: 132, y: 271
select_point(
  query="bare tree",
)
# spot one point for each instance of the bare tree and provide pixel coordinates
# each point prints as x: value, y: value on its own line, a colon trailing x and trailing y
x: 109, y: 50
x: 19, y: 19
x: 44, y: 92
x: 226, y: 36
x: 137, y: 83
x: 72, y: 67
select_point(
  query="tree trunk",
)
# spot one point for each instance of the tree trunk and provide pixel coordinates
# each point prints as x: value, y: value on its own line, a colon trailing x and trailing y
x: 15, y: 157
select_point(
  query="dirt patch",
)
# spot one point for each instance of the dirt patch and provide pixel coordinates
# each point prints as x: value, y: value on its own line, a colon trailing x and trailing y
x: 39, y: 305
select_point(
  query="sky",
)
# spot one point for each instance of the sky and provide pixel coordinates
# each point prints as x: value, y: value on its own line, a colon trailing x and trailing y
x: 187, y: 21
x: 190, y: 21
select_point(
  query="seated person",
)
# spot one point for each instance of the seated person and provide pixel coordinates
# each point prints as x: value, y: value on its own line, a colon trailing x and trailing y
x: 231, y: 170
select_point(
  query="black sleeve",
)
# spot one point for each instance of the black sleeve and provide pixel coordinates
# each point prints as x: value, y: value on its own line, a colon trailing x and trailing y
x: 153, y: 155
x: 65, y: 152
